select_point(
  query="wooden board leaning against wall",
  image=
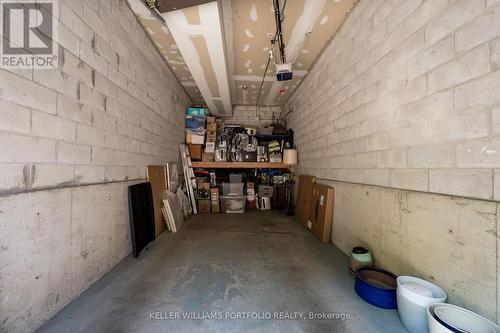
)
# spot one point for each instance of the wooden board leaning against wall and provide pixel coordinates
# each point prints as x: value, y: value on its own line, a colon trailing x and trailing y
x: 157, y: 176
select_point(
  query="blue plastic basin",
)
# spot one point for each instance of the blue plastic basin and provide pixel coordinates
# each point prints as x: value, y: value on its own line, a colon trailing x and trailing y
x: 377, y: 287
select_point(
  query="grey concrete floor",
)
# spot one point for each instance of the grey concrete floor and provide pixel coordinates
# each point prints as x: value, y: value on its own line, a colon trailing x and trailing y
x: 258, y: 263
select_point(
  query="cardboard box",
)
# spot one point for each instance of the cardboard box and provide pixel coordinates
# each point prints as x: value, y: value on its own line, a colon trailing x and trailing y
x: 214, y: 199
x: 212, y: 127
x: 321, y: 212
x: 195, y: 151
x: 211, y: 120
x: 203, y: 191
x: 304, y: 194
x: 204, y: 206
x: 193, y: 137
x: 210, y: 147
x: 211, y: 136
x: 275, y: 158
x: 208, y: 157
x: 204, y: 186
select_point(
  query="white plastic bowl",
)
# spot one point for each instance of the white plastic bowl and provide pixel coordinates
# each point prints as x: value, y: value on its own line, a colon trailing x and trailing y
x: 413, y: 296
x: 460, y: 316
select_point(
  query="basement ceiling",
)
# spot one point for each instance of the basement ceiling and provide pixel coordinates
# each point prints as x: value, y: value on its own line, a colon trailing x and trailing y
x: 218, y: 50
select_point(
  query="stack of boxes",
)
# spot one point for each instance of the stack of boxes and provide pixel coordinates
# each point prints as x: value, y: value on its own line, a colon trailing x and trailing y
x: 209, y: 153
x: 214, y: 198
x: 204, y: 197
x: 207, y: 197
x: 195, y: 131
x: 201, y: 130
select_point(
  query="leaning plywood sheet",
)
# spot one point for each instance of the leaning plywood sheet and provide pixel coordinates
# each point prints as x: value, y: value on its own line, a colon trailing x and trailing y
x: 158, y: 178
x: 172, y: 176
x: 169, y: 216
x: 166, y: 218
x: 174, y: 209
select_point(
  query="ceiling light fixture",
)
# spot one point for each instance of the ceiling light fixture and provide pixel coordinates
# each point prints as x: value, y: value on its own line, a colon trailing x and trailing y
x: 284, y: 71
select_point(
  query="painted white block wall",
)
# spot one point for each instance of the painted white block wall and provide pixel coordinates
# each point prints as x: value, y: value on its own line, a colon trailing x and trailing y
x: 71, y: 141
x: 406, y: 96
x: 408, y: 89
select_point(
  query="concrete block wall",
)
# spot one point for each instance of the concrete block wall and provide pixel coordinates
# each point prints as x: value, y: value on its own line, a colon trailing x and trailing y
x: 400, y: 115
x: 406, y: 96
x: 111, y: 108
x: 247, y: 115
x: 71, y: 141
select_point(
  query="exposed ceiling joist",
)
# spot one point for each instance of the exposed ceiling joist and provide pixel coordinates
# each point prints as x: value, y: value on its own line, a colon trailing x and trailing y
x: 238, y: 35
x: 198, y: 34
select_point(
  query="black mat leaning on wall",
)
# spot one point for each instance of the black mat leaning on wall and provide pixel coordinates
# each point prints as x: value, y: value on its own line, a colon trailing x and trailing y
x: 142, y: 225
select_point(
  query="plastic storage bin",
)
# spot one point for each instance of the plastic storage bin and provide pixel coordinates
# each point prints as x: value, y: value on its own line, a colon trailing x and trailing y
x: 233, y: 203
x: 232, y: 188
x: 195, y: 122
x: 235, y: 178
x: 414, y: 295
x: 196, y: 111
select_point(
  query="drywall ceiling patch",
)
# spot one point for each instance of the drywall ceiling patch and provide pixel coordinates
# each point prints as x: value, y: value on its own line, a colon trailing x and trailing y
x: 253, y: 13
x: 203, y: 49
x: 256, y: 16
x: 206, y: 63
x: 192, y: 15
x: 248, y: 33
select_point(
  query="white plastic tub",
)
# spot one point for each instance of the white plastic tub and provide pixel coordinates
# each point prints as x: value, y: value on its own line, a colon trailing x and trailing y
x: 233, y: 203
x: 413, y: 296
x: 470, y: 321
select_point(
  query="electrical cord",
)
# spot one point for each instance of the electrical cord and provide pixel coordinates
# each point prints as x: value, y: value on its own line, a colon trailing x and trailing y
x: 269, y: 60
x: 262, y: 82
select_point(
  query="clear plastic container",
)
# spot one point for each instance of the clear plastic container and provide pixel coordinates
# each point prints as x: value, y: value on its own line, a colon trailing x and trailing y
x: 233, y: 203
x: 235, y: 178
x: 233, y: 188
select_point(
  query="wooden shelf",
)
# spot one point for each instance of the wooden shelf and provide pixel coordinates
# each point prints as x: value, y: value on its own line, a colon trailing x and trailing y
x: 239, y: 165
